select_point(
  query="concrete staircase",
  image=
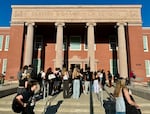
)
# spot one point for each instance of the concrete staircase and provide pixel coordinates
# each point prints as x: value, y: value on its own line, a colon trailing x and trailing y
x: 6, y: 103
x: 73, y: 106
x: 86, y: 104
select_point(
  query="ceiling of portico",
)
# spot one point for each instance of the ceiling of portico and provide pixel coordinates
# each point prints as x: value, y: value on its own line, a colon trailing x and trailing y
x: 79, y: 13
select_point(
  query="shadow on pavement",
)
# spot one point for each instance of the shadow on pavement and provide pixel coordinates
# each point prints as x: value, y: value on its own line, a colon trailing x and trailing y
x: 53, y: 109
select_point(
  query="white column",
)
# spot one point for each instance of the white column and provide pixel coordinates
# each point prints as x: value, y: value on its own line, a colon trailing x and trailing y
x: 29, y: 44
x: 91, y: 42
x: 122, y: 53
x: 59, y: 45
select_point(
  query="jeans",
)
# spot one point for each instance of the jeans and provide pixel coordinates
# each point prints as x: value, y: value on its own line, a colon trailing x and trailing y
x: 87, y: 86
x: 96, y: 86
x: 76, y: 89
x: 120, y: 113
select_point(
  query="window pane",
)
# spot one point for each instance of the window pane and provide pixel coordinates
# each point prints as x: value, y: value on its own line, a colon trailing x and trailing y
x: 113, y: 66
x: 1, y: 42
x: 38, y: 43
x: 4, y: 67
x: 145, y: 43
x: 37, y: 65
x: 147, y: 66
x: 7, y: 42
x: 75, y: 43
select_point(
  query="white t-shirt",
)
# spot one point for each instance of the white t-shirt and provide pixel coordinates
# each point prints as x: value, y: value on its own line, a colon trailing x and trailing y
x: 120, y: 104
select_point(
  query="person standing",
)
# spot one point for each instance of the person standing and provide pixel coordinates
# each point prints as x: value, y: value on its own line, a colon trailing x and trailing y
x: 76, y: 83
x: 23, y: 80
x: 109, y: 78
x: 50, y: 80
x: 88, y: 80
x: 132, y: 78
x: 103, y: 79
x: 96, y: 83
x: 120, y: 103
x: 131, y: 107
x: 66, y: 84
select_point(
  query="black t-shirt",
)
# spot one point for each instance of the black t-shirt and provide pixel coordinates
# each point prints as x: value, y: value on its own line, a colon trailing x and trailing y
x: 88, y: 76
x: 22, y: 82
x: 27, y: 95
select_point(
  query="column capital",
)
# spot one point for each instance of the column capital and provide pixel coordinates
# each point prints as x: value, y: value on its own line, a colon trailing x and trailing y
x: 59, y: 24
x: 29, y: 23
x: 121, y: 23
x: 90, y: 24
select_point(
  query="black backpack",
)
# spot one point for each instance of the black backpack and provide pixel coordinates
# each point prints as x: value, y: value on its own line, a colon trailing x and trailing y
x: 16, y: 106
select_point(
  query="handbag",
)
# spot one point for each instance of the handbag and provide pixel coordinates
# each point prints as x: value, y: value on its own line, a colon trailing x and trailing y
x: 16, y: 106
x: 133, y: 110
x: 130, y: 109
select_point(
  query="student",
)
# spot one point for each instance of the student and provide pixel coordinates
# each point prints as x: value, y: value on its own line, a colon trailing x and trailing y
x: 26, y: 98
x: 124, y: 99
x: 76, y: 83
x: 96, y: 83
x: 131, y: 106
x: 66, y: 84
x: 88, y: 80
x: 109, y: 78
x: 120, y: 103
x: 23, y: 80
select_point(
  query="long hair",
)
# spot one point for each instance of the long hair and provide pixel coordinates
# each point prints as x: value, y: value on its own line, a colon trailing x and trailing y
x: 119, y: 85
x: 75, y: 72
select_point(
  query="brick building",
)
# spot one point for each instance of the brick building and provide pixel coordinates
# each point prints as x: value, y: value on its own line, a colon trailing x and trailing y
x: 109, y: 37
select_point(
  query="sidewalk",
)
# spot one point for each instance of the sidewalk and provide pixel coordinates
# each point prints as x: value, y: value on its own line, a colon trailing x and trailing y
x: 8, y: 88
x: 141, y: 90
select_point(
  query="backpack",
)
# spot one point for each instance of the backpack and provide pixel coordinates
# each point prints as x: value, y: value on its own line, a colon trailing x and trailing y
x: 16, y: 106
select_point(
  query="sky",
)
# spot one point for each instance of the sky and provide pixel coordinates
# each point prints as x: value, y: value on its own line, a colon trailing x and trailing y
x: 5, y: 7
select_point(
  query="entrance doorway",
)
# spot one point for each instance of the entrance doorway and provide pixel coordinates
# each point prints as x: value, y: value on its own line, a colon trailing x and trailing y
x: 72, y: 66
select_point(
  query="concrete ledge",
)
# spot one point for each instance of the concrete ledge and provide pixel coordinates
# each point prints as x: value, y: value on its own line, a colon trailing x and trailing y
x: 7, y: 92
x: 143, y: 92
x: 8, y: 88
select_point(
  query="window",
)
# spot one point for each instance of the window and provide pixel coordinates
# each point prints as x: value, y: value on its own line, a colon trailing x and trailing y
x: 1, y: 42
x: 7, y: 42
x: 38, y: 43
x: 113, y: 66
x: 4, y: 67
x: 145, y: 43
x: 113, y: 45
x: 37, y: 64
x: 147, y: 67
x: 75, y: 43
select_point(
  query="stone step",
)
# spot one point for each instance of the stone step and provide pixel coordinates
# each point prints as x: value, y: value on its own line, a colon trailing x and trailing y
x: 59, y: 105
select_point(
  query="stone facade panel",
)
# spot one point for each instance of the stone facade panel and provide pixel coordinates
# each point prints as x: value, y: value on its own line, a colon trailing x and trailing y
x: 76, y: 14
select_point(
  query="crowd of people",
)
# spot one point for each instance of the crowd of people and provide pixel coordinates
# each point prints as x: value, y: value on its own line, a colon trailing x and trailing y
x: 73, y: 82
x: 77, y: 80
